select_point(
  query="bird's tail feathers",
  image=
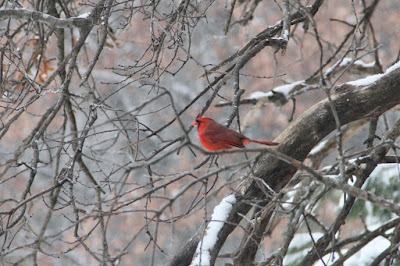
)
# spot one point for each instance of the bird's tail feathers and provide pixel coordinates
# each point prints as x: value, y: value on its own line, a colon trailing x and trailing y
x: 263, y: 142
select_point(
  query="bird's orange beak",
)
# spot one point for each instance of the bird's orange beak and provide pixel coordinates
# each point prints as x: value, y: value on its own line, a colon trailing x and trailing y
x: 195, y: 124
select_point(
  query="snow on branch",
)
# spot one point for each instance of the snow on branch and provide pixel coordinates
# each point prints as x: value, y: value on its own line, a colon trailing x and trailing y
x: 283, y: 91
x: 279, y: 95
x: 218, y: 218
x: 22, y: 13
x: 354, y: 66
x: 373, y: 78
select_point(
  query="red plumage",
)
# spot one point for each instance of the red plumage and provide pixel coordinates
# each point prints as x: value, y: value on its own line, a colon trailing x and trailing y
x: 215, y: 137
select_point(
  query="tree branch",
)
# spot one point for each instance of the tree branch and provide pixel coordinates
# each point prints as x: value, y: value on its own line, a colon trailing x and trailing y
x: 23, y: 13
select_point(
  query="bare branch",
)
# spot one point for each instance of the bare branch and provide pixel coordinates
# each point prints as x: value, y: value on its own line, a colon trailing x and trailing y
x: 23, y: 13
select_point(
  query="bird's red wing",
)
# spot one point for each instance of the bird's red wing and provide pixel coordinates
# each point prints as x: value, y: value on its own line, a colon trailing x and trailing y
x: 222, y: 138
x: 231, y: 138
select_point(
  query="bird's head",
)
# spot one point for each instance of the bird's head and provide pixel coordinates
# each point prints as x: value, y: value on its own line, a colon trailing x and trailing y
x: 202, y: 121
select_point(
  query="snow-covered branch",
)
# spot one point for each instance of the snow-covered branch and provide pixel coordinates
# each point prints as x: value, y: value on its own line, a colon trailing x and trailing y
x: 374, y: 78
x: 218, y: 218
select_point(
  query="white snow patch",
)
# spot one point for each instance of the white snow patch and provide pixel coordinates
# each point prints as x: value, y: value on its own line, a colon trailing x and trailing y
x: 363, y: 64
x: 218, y: 218
x: 347, y: 61
x: 392, y: 68
x: 260, y: 94
x: 334, y: 178
x: 371, y: 79
x: 286, y: 35
x: 366, y: 81
x: 354, y: 160
x: 84, y: 15
x: 318, y: 148
x: 284, y: 89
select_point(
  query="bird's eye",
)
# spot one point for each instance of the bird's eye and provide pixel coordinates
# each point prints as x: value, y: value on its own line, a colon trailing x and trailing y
x: 198, y: 122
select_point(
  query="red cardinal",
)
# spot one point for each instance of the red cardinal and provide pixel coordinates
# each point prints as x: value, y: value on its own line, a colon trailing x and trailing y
x: 215, y: 137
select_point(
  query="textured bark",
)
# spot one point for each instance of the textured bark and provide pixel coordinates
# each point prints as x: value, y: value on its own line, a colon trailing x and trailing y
x: 351, y: 103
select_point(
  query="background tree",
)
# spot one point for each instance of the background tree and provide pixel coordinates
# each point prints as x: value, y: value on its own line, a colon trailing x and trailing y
x: 99, y: 164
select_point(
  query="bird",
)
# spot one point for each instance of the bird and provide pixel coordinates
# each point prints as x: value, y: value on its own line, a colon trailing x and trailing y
x: 214, y: 136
